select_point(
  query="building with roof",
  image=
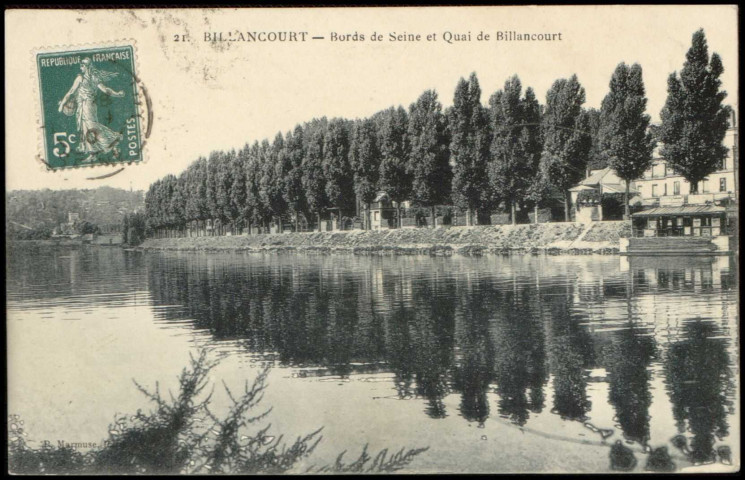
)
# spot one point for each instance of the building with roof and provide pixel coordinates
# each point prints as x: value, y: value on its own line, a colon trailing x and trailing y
x: 588, y: 206
x: 681, y: 221
x: 660, y: 186
x: 382, y: 212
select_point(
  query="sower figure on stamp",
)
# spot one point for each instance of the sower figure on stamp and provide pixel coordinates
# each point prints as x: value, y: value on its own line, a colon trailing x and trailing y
x: 80, y: 100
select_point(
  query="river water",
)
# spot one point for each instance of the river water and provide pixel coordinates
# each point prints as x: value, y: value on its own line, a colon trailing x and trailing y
x: 497, y: 363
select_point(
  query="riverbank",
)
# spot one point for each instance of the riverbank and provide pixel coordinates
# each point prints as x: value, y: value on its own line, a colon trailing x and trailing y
x: 43, y: 243
x: 549, y: 238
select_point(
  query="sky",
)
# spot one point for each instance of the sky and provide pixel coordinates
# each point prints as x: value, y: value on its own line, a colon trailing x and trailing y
x: 220, y: 95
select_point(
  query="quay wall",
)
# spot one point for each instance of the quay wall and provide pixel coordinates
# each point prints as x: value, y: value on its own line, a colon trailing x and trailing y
x: 550, y: 238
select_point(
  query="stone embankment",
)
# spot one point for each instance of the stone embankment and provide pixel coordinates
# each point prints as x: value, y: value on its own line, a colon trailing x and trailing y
x: 549, y: 238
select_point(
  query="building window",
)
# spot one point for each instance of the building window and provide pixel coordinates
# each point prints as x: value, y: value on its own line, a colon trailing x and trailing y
x: 705, y: 186
x: 723, y: 166
x: 722, y: 184
x: 664, y: 169
x: 676, y: 188
x: 655, y: 193
x: 665, y: 194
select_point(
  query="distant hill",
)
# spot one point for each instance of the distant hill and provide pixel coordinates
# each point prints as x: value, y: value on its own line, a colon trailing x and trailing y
x: 46, y: 209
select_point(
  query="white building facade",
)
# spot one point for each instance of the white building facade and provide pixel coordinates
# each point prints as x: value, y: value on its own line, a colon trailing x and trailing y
x: 660, y: 186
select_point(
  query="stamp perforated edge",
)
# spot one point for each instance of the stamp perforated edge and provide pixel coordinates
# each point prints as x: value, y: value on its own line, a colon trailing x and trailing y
x: 143, y: 103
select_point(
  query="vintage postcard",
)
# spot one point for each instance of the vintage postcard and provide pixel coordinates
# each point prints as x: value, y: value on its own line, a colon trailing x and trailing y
x: 372, y: 240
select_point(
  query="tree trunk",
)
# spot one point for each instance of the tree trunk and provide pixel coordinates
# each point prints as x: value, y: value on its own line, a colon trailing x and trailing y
x: 434, y: 218
x: 468, y: 217
x: 297, y: 222
x: 566, y: 207
x: 318, y: 215
x: 368, y: 221
x: 512, y: 212
x: 626, y: 202
x: 535, y: 213
x: 398, y: 214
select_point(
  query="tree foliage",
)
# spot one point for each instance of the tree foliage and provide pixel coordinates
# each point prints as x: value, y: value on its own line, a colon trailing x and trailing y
x: 395, y: 178
x: 291, y: 170
x: 36, y: 213
x: 337, y: 169
x: 694, y: 121
x: 515, y: 153
x: 515, y: 145
x: 566, y: 136
x: 313, y: 179
x: 364, y: 158
x: 429, y: 156
x: 469, y: 146
x: 184, y: 435
x: 624, y: 139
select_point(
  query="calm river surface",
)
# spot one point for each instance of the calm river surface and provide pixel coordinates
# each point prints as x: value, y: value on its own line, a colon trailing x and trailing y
x: 498, y: 364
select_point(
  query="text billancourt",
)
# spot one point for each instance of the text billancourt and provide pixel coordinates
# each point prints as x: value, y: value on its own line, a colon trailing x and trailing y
x: 447, y: 36
x: 513, y: 36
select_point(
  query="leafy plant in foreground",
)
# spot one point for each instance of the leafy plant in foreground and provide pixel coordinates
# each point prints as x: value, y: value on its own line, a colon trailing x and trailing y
x: 184, y: 436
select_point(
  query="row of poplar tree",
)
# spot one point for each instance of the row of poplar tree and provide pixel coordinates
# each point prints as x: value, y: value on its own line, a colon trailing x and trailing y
x: 513, y: 153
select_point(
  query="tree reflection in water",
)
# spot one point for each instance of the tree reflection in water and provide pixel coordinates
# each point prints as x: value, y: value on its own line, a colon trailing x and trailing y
x: 520, y: 368
x: 700, y: 383
x: 627, y: 360
x: 432, y: 340
x: 474, y: 370
x: 570, y: 352
x: 463, y: 333
x: 401, y: 354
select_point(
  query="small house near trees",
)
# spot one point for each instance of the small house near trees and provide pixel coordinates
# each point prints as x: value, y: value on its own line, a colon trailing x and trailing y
x: 596, y: 198
x: 382, y: 212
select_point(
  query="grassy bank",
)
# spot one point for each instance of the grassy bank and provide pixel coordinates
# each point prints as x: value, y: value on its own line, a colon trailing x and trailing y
x: 551, y: 238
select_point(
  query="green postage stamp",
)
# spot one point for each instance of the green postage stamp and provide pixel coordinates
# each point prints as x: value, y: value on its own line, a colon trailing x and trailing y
x: 89, y: 103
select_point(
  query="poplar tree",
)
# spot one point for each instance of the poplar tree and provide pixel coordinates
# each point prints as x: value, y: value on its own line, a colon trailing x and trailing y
x: 469, y: 146
x: 395, y: 178
x: 165, y: 206
x: 623, y: 136
x: 429, y: 154
x: 566, y: 137
x: 694, y: 121
x: 238, y: 186
x: 292, y: 174
x: 364, y: 157
x: 211, y: 195
x: 196, y: 202
x: 178, y: 201
x: 313, y: 179
x: 254, y: 205
x: 271, y: 183
x: 515, y: 146
x: 337, y: 170
x: 224, y: 183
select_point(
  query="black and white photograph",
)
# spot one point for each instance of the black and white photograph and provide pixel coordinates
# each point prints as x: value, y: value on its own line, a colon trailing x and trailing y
x: 372, y: 240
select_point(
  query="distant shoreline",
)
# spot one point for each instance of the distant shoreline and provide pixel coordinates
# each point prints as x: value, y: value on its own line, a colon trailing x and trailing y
x: 56, y: 243
x: 549, y: 238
